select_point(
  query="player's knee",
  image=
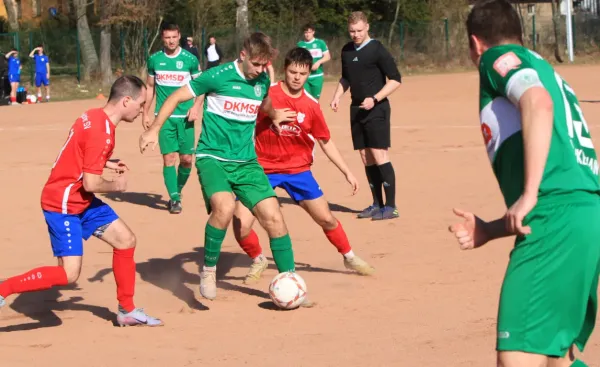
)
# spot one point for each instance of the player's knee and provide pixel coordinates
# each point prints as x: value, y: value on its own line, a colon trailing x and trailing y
x: 186, y: 160
x: 273, y: 220
x: 170, y: 159
x: 224, y: 210
x: 73, y: 270
x: 128, y: 241
x: 327, y: 222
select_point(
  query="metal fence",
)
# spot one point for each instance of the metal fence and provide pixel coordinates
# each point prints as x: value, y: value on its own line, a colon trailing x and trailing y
x: 434, y: 43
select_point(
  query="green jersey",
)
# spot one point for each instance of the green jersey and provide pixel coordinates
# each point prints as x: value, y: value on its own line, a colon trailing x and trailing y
x: 317, y: 48
x: 170, y: 73
x: 506, y: 73
x: 231, y: 106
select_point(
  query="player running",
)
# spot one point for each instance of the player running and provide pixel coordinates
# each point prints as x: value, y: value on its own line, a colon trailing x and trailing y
x: 320, y: 54
x: 225, y: 157
x: 168, y: 70
x: 542, y: 154
x: 286, y: 155
x: 73, y: 213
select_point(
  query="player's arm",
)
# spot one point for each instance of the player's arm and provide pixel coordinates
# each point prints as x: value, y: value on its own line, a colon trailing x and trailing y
x: 97, y: 184
x: 9, y: 54
x: 388, y: 65
x: 326, y: 57
x: 181, y: 95
x: 277, y: 116
x: 48, y: 70
x: 332, y: 152
x: 342, y: 87
x: 526, y: 91
x: 33, y: 52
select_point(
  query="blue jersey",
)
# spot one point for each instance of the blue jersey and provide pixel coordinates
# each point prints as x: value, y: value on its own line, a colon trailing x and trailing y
x: 40, y: 63
x: 14, y: 65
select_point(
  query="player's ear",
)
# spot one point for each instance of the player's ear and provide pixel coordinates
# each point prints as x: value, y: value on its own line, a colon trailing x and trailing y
x: 243, y: 55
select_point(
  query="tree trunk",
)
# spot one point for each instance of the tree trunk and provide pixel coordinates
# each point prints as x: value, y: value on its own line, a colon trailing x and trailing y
x: 241, y: 22
x: 105, y: 61
x: 12, y: 12
x: 105, y: 43
x: 36, y: 8
x: 555, y: 22
x: 393, y: 26
x: 88, y: 50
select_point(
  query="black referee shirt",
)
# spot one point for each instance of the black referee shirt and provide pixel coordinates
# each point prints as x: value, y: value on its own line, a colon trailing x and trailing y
x: 366, y: 69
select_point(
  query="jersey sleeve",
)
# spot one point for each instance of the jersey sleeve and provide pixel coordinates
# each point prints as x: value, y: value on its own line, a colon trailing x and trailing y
x: 386, y: 62
x: 194, y: 68
x: 323, y: 46
x: 95, y: 152
x: 151, y: 70
x: 207, y: 82
x: 319, y: 127
x: 509, y: 74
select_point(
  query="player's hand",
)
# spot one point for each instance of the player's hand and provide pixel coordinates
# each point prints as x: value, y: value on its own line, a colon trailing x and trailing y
x: 120, y: 183
x: 284, y: 115
x: 335, y: 104
x: 517, y: 212
x: 47, y: 75
x: 146, y: 122
x: 471, y: 232
x: 148, y: 138
x: 117, y: 165
x: 192, y: 114
x: 315, y: 66
x: 368, y: 103
x: 353, y: 182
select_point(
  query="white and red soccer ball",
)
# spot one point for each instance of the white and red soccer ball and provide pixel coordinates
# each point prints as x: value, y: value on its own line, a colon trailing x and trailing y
x: 287, y: 290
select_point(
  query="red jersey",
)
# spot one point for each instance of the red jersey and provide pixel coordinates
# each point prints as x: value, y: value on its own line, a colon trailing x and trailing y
x: 88, y: 147
x: 293, y: 150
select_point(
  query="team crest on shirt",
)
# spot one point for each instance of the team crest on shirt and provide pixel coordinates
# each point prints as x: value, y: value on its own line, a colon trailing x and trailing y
x: 179, y: 64
x: 301, y: 117
x: 258, y: 90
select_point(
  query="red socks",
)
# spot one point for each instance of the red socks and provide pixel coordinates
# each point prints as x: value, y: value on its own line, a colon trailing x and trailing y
x: 34, y: 280
x: 338, y: 238
x: 251, y: 245
x: 124, y: 271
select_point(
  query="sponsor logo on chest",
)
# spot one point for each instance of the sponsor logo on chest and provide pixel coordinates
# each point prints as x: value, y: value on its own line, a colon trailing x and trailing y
x: 241, y: 109
x: 172, y: 78
x: 316, y: 52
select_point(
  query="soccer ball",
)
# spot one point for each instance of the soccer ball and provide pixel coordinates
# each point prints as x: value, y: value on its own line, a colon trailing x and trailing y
x: 287, y: 290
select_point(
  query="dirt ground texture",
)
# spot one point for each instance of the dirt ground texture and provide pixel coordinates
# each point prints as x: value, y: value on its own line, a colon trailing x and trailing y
x: 429, y: 303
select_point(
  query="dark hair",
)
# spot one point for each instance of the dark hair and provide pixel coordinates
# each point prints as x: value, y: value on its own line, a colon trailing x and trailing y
x: 299, y: 56
x: 169, y: 27
x: 259, y: 45
x: 127, y: 85
x: 494, y: 21
x: 308, y: 26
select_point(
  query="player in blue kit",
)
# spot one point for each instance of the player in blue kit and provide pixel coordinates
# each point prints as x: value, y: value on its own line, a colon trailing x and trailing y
x: 14, y: 74
x: 42, y: 71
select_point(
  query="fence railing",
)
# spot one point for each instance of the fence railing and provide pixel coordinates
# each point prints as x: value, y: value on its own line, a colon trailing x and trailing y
x: 435, y: 43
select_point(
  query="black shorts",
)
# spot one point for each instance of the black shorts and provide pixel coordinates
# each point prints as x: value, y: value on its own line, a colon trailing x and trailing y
x: 371, y: 129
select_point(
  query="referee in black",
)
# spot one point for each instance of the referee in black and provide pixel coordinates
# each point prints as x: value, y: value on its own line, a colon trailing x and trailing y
x: 365, y: 65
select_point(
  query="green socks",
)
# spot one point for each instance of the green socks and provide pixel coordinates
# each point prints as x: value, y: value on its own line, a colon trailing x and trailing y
x: 170, y: 176
x: 282, y: 253
x: 175, y: 181
x: 182, y: 176
x: 579, y: 363
x: 213, y: 239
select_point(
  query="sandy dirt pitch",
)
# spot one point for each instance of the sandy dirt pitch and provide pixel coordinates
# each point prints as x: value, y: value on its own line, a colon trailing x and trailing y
x: 428, y: 305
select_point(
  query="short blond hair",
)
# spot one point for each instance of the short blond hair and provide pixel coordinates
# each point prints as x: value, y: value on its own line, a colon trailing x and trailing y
x: 357, y: 16
x: 259, y: 45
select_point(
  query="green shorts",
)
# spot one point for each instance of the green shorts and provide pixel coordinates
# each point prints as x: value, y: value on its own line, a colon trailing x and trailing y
x: 247, y: 180
x: 177, y: 135
x: 549, y: 295
x: 314, y: 86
